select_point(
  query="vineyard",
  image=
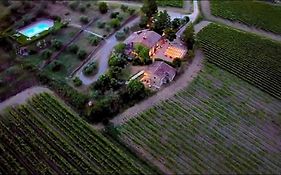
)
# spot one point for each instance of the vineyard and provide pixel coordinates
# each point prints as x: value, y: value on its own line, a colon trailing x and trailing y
x: 248, y: 56
x: 45, y: 137
x: 253, y: 13
x: 218, y: 125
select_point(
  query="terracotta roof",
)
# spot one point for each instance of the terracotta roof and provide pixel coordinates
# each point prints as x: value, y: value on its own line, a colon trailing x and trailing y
x: 146, y: 37
x: 160, y: 68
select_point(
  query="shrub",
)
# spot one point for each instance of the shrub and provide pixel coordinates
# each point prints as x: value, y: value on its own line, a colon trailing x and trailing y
x: 131, y: 11
x: 94, y: 40
x: 56, y: 44
x: 120, y: 18
x: 73, y: 5
x: 114, y: 14
x: 88, y: 5
x: 120, y: 36
x: 46, y: 54
x: 177, y: 62
x: 84, y: 19
x: 124, y: 8
x: 116, y: 60
x: 56, y: 66
x: 82, y: 8
x: 119, y: 48
x: 126, y: 30
x: 77, y: 82
x: 103, y: 7
x: 73, y: 48
x: 90, y: 68
x: 82, y: 54
x: 107, y: 28
x: 115, y: 23
x: 101, y: 25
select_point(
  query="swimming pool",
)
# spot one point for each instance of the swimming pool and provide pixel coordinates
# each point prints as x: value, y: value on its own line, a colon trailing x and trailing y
x: 36, y: 28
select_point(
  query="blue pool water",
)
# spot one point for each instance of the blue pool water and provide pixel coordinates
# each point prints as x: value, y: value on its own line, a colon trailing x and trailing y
x: 36, y: 28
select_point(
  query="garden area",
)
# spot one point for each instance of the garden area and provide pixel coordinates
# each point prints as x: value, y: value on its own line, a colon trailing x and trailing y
x: 253, y: 13
x: 250, y: 57
x: 209, y: 127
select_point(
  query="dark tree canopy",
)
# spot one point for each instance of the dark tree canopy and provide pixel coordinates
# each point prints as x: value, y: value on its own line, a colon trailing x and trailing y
x: 149, y: 8
x: 170, y: 34
x: 162, y: 21
x: 188, y: 36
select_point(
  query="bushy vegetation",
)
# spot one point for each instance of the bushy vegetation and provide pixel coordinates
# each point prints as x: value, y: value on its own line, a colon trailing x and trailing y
x: 103, y: 7
x: 252, y: 58
x: 47, y: 137
x: 218, y: 117
x: 77, y: 82
x: 90, y: 69
x: 93, y: 40
x: 171, y: 3
x: 84, y: 19
x: 142, y: 55
x: 253, y: 13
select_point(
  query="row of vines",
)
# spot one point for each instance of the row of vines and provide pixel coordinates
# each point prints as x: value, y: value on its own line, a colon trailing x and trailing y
x: 253, y: 13
x: 218, y: 125
x: 250, y: 57
x: 46, y: 137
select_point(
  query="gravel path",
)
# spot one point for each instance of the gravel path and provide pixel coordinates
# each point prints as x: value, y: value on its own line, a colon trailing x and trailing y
x: 22, y: 96
x: 182, y: 82
x: 205, y: 7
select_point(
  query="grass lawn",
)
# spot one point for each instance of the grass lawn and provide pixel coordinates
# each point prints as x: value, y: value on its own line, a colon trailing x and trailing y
x: 218, y: 125
x: 69, y: 63
x: 171, y: 3
x: 254, y: 13
x: 252, y: 58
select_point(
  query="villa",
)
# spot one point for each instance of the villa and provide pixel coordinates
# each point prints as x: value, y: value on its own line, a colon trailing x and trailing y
x: 159, y: 47
x: 157, y: 74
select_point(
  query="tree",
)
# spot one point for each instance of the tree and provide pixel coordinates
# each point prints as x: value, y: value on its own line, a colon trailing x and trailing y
x: 177, y: 62
x: 176, y: 23
x: 84, y: 19
x: 170, y: 34
x: 143, y: 21
x: 188, y: 36
x: 115, y: 23
x: 142, y: 54
x: 46, y: 54
x: 73, y: 5
x: 162, y: 21
x: 117, y: 61
x: 82, y: 54
x: 90, y: 68
x: 82, y: 8
x: 73, y: 48
x: 149, y: 9
x: 77, y: 82
x: 56, y: 44
x: 136, y: 89
x: 93, y: 40
x: 124, y: 8
x: 103, y: 7
x: 119, y: 48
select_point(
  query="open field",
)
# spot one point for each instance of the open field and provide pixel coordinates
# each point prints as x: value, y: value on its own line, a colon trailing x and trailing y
x: 250, y: 57
x: 254, y: 13
x: 218, y: 125
x: 45, y: 136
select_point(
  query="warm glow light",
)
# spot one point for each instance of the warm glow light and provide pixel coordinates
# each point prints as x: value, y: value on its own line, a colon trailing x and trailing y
x: 174, y: 52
